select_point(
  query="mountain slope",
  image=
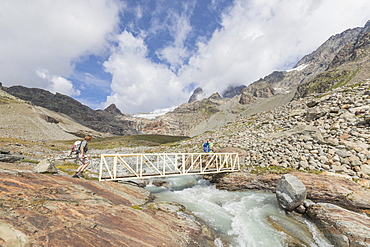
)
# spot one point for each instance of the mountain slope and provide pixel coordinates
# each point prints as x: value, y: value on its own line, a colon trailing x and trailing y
x: 102, y: 121
x: 350, y: 65
x: 25, y: 121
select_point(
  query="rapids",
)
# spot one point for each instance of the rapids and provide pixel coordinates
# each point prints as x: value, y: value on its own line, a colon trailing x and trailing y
x: 240, y: 218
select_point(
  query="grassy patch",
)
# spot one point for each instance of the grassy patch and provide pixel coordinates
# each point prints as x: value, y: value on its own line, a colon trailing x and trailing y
x: 68, y: 167
x: 270, y: 170
x: 30, y: 161
x: 134, y: 140
x: 137, y: 207
x: 345, y: 79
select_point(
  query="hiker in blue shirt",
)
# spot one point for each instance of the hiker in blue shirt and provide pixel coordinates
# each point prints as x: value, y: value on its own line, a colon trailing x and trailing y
x: 208, y: 146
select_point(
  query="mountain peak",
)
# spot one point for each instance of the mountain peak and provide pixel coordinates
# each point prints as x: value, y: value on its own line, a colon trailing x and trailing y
x: 112, y: 109
x: 195, y: 96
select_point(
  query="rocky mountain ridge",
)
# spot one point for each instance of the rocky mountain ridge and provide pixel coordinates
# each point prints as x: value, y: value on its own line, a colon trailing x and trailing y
x: 100, y: 120
x: 350, y: 65
x: 25, y: 121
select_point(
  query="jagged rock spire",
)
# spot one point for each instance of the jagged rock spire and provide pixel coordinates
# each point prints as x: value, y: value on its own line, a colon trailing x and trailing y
x: 194, y: 97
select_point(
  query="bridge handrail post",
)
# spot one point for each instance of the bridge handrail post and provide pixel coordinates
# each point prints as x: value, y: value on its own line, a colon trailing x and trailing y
x: 101, y: 168
x: 115, y: 167
x: 141, y: 165
x: 163, y: 164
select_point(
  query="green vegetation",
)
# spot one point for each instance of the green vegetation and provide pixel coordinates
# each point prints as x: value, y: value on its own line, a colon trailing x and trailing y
x: 269, y: 170
x: 137, y: 207
x: 345, y: 79
x: 130, y: 141
x: 276, y: 170
x: 328, y: 81
x: 357, y: 84
x: 31, y: 161
x: 68, y: 167
x: 7, y: 100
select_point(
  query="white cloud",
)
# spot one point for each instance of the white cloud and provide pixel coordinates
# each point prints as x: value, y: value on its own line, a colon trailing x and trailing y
x: 58, y: 83
x: 176, y: 52
x: 260, y: 36
x: 138, y: 84
x: 51, y: 35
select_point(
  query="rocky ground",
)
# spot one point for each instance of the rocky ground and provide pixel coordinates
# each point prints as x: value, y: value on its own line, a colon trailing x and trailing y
x: 57, y: 210
x: 326, y: 133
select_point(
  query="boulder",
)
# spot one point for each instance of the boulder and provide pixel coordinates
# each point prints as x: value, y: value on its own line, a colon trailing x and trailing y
x: 314, y: 113
x: 290, y: 192
x: 45, y: 166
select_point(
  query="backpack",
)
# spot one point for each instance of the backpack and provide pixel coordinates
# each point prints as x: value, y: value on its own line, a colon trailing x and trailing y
x: 76, y: 147
x: 206, y: 147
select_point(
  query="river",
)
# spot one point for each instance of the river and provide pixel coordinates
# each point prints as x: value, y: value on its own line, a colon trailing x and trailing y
x: 240, y: 218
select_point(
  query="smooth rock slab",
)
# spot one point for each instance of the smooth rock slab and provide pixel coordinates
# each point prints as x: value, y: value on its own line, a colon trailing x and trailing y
x: 341, y: 226
x: 290, y: 192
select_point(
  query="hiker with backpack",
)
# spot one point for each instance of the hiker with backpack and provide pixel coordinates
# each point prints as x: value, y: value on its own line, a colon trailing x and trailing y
x: 208, y: 146
x: 82, y: 159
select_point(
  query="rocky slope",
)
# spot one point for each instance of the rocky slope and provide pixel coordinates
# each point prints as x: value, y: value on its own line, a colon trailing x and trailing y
x: 328, y: 132
x: 29, y: 122
x: 349, y: 66
x: 99, y: 120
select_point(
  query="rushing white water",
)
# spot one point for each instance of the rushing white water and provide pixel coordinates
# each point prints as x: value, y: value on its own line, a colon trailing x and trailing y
x: 241, y: 218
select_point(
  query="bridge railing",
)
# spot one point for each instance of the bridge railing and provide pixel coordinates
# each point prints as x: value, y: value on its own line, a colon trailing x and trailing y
x: 139, y: 166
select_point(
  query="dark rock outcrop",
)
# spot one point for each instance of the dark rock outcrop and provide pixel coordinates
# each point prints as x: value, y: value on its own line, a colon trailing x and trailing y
x: 196, y: 95
x: 346, y: 64
x: 232, y: 91
x: 6, y: 156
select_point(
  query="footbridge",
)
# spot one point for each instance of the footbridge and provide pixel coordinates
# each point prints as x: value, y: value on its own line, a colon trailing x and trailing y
x: 119, y: 167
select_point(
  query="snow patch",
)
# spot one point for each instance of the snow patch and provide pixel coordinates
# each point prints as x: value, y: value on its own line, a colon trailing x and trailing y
x: 155, y: 113
x: 299, y: 68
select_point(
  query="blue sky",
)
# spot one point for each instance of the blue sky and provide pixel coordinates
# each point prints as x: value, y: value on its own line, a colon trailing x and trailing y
x: 145, y: 55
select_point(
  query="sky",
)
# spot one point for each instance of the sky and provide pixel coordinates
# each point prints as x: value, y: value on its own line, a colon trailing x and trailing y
x: 147, y: 55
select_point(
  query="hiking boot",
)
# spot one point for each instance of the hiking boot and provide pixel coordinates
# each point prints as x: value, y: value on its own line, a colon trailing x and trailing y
x: 80, y: 175
x: 75, y: 175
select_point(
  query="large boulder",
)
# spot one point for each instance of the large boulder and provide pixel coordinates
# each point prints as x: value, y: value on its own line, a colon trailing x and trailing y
x: 290, y: 192
x: 45, y: 166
